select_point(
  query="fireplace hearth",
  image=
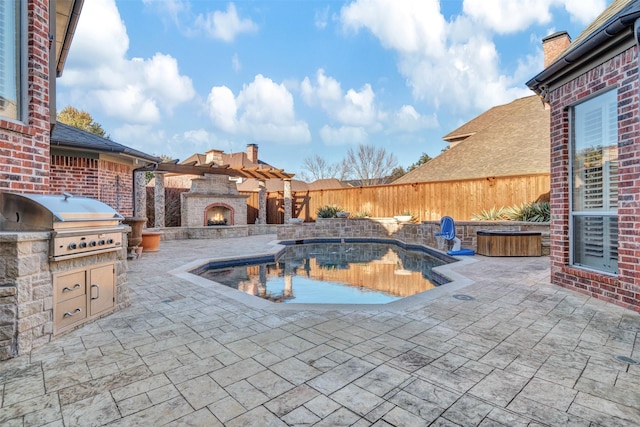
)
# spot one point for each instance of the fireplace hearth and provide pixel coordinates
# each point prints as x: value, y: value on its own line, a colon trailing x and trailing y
x: 213, y: 200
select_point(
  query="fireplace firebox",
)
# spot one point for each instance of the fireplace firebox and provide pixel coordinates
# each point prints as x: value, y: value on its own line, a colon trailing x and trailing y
x: 213, y: 200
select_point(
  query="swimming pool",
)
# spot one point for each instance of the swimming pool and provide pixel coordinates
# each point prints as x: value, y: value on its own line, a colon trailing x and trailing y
x: 333, y: 271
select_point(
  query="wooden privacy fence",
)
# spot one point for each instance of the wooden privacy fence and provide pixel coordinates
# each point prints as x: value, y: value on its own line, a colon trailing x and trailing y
x: 426, y: 200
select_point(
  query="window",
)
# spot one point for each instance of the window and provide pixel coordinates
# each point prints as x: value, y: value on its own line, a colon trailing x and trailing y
x: 594, y: 179
x: 10, y: 59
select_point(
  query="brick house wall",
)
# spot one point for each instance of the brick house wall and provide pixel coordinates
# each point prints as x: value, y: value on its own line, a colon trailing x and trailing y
x: 24, y: 145
x: 116, y: 186
x: 75, y: 175
x: 108, y: 181
x: 624, y: 289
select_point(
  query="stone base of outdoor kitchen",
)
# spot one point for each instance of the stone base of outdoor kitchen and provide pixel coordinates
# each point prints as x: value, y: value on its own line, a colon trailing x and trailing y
x: 27, y: 289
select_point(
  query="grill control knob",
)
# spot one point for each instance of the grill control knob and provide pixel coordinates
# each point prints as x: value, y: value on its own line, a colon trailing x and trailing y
x: 101, y: 242
x: 109, y: 241
x: 92, y: 243
x: 82, y: 245
x: 71, y: 246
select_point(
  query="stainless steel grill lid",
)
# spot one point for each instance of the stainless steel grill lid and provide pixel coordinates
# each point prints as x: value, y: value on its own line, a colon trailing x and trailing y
x: 46, y: 212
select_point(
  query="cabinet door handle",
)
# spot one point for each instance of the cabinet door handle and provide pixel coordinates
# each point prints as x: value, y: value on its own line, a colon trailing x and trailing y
x: 68, y: 289
x: 70, y: 314
x: 98, y: 288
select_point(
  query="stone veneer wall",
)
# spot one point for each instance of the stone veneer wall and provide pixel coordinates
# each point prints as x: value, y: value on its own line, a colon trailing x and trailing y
x: 26, y: 288
x: 389, y: 228
x: 216, y: 232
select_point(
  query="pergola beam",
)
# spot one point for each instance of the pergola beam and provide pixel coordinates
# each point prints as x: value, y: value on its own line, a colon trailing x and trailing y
x: 191, y: 169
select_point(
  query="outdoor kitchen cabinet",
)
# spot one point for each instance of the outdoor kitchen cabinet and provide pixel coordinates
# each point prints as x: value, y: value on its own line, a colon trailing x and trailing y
x: 83, y: 294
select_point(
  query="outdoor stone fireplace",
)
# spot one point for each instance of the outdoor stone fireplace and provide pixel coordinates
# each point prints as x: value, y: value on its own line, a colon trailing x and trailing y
x: 213, y: 200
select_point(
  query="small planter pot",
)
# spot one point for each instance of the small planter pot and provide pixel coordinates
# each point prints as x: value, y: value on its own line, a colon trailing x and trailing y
x: 151, y: 240
x: 136, y: 224
x: 403, y: 218
x: 343, y: 214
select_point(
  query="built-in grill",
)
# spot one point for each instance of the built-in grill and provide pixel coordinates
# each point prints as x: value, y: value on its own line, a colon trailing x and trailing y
x: 79, y: 226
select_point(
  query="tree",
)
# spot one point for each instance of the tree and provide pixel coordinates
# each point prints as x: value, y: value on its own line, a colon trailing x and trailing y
x: 369, y: 165
x: 397, y: 173
x: 317, y: 168
x: 81, y: 120
x: 424, y: 158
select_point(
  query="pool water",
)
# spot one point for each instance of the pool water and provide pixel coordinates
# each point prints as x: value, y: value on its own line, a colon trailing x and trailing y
x: 332, y: 273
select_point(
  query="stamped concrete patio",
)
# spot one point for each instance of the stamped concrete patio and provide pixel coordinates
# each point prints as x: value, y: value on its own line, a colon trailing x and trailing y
x: 521, y: 352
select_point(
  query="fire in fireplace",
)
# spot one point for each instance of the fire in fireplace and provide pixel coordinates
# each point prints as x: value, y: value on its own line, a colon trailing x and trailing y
x: 219, y: 215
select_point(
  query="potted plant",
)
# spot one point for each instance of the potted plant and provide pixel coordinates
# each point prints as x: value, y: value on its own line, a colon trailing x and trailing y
x: 150, y: 240
x: 328, y: 211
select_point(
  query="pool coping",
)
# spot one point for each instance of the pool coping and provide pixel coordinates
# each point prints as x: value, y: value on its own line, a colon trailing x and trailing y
x: 275, y: 247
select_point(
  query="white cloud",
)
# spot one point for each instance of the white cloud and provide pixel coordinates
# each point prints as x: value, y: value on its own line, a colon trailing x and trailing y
x: 263, y: 110
x: 357, y: 112
x: 584, y: 11
x: 454, y: 64
x: 236, y: 65
x: 199, y: 136
x: 143, y: 138
x: 343, y: 135
x: 507, y: 16
x: 407, y: 119
x: 321, y: 18
x: 224, y: 25
x: 447, y: 64
x: 99, y: 75
x: 223, y: 108
x: 407, y: 26
x: 172, y: 8
x: 353, y: 108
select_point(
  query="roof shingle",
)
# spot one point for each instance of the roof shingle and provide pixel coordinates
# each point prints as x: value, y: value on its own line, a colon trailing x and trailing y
x: 508, y: 140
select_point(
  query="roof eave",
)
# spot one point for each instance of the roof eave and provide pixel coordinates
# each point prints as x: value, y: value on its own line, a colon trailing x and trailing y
x: 68, y: 35
x: 111, y: 150
x: 585, y: 51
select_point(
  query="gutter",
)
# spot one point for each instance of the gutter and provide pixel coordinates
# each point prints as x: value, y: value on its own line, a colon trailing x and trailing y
x: 586, y: 49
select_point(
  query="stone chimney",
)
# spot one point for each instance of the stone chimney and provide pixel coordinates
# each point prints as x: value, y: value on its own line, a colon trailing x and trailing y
x: 553, y: 45
x: 213, y: 157
x: 252, y: 153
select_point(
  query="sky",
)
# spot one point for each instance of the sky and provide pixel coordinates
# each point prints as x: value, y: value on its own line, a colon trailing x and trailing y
x: 301, y: 78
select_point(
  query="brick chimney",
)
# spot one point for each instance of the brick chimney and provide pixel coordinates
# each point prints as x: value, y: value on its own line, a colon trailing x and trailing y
x: 553, y: 45
x: 214, y: 157
x: 252, y: 153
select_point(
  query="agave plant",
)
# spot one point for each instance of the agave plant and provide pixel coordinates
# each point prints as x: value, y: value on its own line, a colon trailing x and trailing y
x: 328, y: 211
x: 493, y: 214
x: 361, y: 214
x: 530, y: 212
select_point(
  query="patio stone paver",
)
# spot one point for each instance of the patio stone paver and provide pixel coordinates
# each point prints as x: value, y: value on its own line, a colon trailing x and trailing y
x: 522, y: 352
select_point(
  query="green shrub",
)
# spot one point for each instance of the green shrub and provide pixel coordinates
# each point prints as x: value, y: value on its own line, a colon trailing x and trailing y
x: 493, y: 214
x: 528, y: 212
x: 328, y: 211
x: 531, y: 212
x: 361, y: 214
